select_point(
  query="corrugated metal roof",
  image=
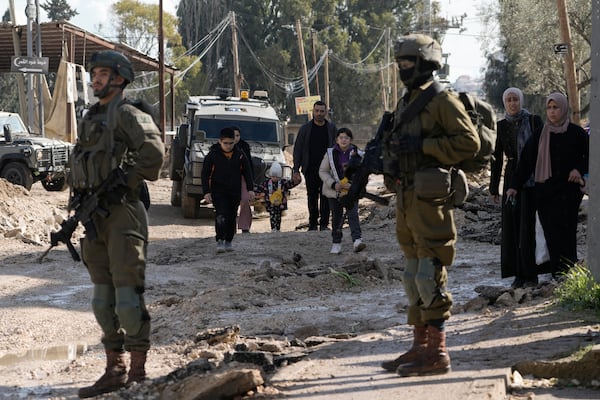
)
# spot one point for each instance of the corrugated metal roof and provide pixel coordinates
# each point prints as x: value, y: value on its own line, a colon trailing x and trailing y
x: 76, y: 45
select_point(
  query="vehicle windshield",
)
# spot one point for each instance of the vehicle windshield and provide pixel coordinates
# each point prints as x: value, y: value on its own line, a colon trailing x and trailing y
x: 252, y: 131
x: 15, y: 123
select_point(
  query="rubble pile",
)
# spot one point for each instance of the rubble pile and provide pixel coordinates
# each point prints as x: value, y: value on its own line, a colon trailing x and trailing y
x: 25, y: 217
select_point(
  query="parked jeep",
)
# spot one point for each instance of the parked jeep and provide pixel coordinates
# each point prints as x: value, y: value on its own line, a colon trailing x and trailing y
x: 26, y: 158
x: 206, y: 116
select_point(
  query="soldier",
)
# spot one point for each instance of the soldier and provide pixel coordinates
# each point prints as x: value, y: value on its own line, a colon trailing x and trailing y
x: 431, y: 131
x: 116, y: 136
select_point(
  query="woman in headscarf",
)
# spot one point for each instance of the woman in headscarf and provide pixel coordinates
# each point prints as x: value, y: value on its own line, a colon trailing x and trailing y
x: 518, y: 212
x: 558, y: 157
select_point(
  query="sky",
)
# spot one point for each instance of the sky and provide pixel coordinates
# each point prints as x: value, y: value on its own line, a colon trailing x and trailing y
x: 466, y: 56
x: 464, y: 49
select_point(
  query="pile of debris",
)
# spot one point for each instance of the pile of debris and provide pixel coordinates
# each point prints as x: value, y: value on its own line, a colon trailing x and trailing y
x: 25, y: 217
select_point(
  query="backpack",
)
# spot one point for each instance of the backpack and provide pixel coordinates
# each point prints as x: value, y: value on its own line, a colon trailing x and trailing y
x: 484, y: 118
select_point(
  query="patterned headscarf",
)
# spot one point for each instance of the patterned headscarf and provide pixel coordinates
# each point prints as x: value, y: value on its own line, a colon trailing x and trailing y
x: 519, y: 93
x: 522, y: 120
x: 543, y: 165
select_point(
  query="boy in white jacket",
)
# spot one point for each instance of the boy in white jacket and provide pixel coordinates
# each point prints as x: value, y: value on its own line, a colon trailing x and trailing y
x: 336, y: 185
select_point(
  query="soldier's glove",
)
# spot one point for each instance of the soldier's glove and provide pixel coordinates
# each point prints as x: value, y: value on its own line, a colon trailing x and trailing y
x: 406, y: 144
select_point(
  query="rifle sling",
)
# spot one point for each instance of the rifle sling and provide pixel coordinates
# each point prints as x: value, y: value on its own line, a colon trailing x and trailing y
x: 420, y: 102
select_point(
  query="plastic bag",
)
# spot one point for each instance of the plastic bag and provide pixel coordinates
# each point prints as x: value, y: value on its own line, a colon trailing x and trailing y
x: 542, y: 254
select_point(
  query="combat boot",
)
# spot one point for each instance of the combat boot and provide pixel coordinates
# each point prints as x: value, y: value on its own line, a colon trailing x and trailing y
x: 137, y: 371
x: 419, y: 345
x: 433, y: 361
x: 113, y: 379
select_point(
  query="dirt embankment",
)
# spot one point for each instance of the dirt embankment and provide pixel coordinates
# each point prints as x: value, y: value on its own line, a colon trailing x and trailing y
x: 284, y: 292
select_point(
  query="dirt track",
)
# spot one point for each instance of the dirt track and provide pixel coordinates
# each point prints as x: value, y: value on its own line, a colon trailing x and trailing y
x: 282, y: 284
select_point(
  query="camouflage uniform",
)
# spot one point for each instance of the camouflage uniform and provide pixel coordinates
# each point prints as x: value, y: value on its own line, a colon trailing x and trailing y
x: 418, y: 153
x: 425, y: 228
x: 116, y: 135
x: 117, y: 256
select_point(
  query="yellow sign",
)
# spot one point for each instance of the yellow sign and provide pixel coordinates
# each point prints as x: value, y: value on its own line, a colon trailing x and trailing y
x: 304, y: 105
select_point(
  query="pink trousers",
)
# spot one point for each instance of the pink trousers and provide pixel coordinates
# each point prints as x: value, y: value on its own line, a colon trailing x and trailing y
x: 245, y: 218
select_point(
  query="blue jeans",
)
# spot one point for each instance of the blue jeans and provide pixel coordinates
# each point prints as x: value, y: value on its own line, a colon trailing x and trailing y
x: 337, y: 220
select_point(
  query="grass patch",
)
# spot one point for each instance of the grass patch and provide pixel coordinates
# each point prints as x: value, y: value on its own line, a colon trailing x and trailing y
x: 579, y: 290
x: 345, y: 276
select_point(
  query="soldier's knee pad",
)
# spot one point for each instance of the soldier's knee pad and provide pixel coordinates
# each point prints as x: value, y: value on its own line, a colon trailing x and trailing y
x: 129, y: 310
x: 103, y: 306
x: 408, y: 279
x: 425, y: 281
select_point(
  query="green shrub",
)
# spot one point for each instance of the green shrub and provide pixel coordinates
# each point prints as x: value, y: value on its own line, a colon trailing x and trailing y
x: 579, y: 290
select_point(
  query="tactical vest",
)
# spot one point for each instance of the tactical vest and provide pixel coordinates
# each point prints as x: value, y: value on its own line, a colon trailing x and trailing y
x: 96, y: 153
x: 395, y: 165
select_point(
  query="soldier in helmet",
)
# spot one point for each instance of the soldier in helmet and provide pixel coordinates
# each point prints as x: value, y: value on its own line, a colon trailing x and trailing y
x: 430, y: 132
x: 116, y: 136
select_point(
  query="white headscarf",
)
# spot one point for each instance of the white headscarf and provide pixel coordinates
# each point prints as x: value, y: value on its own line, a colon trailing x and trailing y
x: 512, y: 90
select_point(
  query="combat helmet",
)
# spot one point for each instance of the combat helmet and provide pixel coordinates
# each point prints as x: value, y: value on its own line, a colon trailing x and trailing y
x: 420, y: 46
x: 115, y: 60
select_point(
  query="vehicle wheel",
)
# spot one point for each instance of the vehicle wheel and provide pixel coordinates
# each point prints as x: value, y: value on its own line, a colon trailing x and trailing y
x: 17, y: 174
x: 176, y: 194
x: 189, y: 205
x: 176, y: 159
x: 56, y: 185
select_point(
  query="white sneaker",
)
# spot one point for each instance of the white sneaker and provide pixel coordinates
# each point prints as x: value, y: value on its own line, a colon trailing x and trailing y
x: 336, y: 248
x: 359, y: 245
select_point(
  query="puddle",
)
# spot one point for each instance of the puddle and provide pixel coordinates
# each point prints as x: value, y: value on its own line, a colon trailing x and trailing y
x: 64, y: 352
x: 64, y: 297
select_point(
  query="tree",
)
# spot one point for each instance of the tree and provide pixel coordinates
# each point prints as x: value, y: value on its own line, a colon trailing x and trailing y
x: 528, y: 30
x: 269, y: 54
x: 58, y: 10
x: 136, y: 24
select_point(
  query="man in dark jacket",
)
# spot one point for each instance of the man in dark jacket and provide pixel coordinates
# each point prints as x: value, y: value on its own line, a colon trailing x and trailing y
x: 222, y: 172
x: 312, y: 142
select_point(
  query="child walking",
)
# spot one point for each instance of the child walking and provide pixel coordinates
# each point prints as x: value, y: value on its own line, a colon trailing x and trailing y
x: 336, y: 185
x: 275, y: 191
x: 222, y: 173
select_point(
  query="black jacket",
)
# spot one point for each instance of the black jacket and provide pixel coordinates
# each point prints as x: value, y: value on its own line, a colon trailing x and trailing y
x: 301, y: 149
x: 224, y: 175
x: 506, y: 146
x: 568, y: 151
x: 245, y: 148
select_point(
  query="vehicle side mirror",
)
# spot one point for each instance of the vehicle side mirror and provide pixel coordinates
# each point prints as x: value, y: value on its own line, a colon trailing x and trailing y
x: 7, y: 133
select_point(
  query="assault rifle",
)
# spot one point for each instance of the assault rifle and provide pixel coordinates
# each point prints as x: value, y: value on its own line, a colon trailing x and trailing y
x: 85, y: 205
x: 358, y: 170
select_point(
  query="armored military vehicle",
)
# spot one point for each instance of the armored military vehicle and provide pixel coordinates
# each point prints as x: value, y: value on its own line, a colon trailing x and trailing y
x: 206, y: 116
x: 26, y: 158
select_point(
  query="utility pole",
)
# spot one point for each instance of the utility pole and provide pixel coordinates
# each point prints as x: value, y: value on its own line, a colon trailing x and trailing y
x: 237, y: 77
x: 30, y: 12
x: 17, y: 52
x: 593, y: 238
x: 569, y: 62
x: 313, y: 36
x: 383, y: 90
x: 395, y: 86
x: 39, y: 77
x: 161, y: 72
x: 303, y: 60
x: 326, y: 76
